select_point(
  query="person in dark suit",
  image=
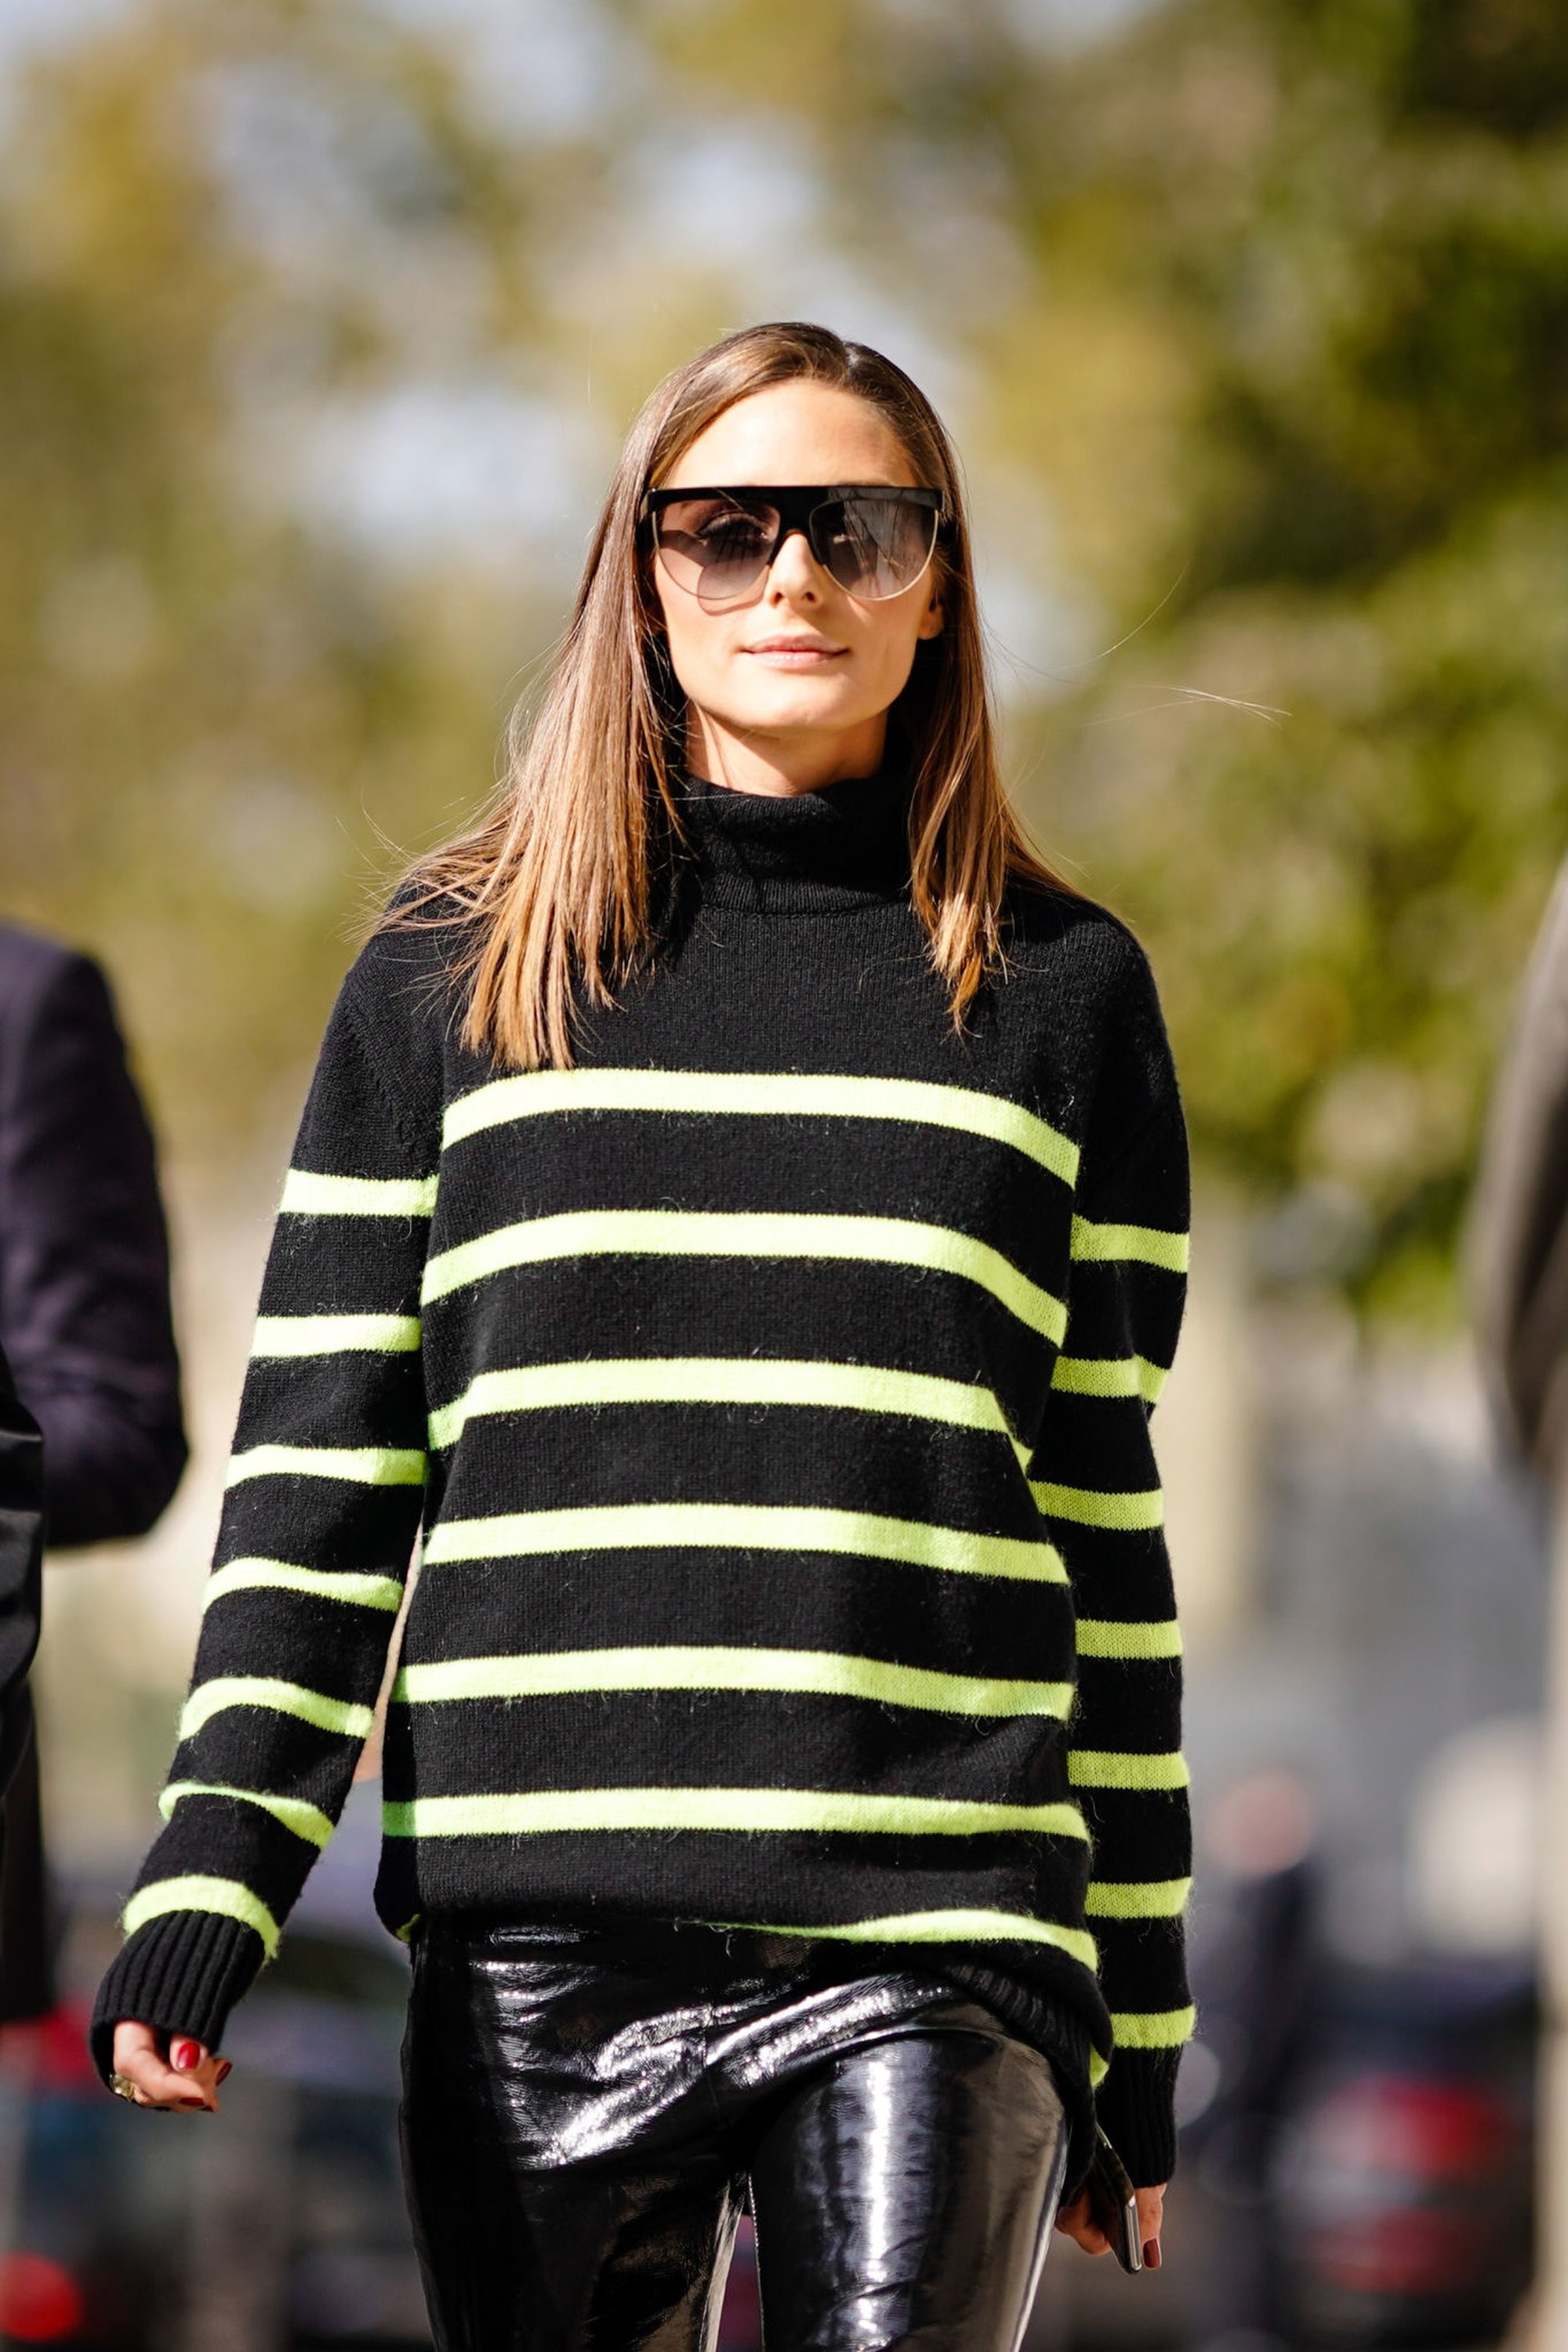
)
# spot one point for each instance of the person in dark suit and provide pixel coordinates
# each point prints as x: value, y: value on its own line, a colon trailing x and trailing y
x: 84, y: 1321
x: 84, y: 1253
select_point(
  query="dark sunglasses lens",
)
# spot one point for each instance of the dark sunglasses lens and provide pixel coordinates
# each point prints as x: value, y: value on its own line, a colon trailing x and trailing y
x: 715, y: 547
x: 875, y: 546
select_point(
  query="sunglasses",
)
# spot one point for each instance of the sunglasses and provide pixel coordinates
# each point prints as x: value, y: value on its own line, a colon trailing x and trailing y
x: 873, y: 540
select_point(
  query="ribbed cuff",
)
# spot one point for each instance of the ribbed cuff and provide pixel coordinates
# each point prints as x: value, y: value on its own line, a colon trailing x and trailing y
x: 1136, y: 2107
x: 1058, y: 2033
x: 182, y: 1973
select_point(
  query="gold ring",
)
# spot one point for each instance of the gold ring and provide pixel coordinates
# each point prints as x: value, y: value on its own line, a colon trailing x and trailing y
x: 124, y: 2088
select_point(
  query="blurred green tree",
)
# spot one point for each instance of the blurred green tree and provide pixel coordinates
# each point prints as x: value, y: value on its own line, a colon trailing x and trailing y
x: 1342, y: 227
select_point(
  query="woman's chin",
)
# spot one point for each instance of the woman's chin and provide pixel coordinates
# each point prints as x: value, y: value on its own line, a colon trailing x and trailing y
x: 799, y: 712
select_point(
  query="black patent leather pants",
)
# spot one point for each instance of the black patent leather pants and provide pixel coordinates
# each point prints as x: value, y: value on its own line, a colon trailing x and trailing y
x: 584, y: 2110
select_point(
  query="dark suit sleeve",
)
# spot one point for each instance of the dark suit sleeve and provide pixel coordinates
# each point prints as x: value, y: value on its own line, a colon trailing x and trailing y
x: 21, y: 1555
x: 84, y: 1263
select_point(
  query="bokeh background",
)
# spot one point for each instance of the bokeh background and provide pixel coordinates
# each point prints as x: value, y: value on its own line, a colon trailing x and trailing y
x: 320, y: 323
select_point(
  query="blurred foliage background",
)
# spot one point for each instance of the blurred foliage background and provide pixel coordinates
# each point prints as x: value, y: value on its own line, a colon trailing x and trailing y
x: 319, y: 321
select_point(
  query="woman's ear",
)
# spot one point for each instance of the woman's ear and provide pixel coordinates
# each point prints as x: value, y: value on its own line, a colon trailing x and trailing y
x: 933, y: 620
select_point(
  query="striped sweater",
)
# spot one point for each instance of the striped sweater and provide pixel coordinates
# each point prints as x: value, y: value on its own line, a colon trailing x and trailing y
x: 769, y: 1395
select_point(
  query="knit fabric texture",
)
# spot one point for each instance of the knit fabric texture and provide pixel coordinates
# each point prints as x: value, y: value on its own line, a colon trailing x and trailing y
x: 770, y: 1395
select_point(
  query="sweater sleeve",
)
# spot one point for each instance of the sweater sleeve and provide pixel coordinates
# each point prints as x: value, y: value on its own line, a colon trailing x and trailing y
x: 322, y: 1506
x: 1096, y: 1482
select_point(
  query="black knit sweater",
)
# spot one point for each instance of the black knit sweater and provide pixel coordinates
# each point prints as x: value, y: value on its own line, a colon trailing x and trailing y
x: 771, y: 1389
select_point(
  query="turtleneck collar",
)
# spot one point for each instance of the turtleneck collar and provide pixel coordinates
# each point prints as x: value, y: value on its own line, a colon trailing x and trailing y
x: 843, y: 845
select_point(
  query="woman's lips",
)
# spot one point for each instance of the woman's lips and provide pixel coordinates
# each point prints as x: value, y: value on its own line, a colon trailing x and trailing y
x: 786, y: 653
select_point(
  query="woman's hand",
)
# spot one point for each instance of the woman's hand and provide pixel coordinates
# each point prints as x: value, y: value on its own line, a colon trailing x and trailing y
x: 1080, y: 2225
x: 186, y: 2079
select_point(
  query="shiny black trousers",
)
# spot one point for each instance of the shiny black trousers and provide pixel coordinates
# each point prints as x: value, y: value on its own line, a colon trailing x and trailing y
x: 585, y: 2112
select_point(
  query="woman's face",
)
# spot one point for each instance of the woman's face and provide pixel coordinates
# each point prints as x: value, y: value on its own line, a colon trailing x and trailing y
x: 790, y: 687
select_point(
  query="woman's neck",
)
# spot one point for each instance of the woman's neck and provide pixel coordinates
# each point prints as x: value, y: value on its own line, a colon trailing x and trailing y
x: 781, y: 766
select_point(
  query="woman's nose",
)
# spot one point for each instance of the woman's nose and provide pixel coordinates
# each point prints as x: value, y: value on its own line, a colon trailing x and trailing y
x: 793, y: 571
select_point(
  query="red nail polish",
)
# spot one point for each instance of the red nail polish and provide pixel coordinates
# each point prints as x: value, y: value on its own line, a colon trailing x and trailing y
x: 1151, y: 2253
x: 226, y: 2070
x: 183, y: 2055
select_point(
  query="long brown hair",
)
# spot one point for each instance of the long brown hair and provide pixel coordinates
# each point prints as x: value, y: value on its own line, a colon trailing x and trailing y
x: 557, y: 882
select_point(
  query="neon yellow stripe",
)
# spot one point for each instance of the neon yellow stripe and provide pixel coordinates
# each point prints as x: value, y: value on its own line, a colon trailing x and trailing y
x: 722, y: 1380
x: 766, y: 1093
x: 724, y: 1233
x: 1140, y: 1638
x: 362, y: 1465
x: 331, y: 1335
x: 1153, y: 1898
x: 307, y: 1821
x: 945, y: 1928
x: 1157, y: 2029
x: 826, y: 1674
x: 1109, y: 1376
x: 325, y: 1584
x: 308, y: 1196
x: 226, y: 1896
x: 224, y: 1691
x: 1099, y: 2068
x: 543, y: 1812
x: 744, y: 1526
x: 1091, y: 1508
x: 1101, y: 1768
x: 1146, y: 1243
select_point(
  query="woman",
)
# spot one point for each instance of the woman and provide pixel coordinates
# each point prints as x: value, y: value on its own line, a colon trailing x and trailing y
x: 739, y: 1212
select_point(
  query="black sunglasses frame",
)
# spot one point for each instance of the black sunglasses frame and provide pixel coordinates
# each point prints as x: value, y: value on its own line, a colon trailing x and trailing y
x: 798, y: 506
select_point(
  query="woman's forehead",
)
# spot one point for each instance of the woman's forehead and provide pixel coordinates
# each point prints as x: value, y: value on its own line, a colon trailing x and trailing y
x: 795, y: 433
